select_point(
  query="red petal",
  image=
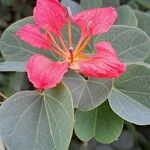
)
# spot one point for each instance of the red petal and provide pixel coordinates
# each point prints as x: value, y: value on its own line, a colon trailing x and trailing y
x: 96, y: 20
x: 32, y: 35
x: 104, y: 64
x: 50, y: 13
x: 44, y: 73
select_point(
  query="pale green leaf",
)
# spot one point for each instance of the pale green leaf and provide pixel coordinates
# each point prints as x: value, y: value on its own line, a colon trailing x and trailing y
x: 114, y: 3
x: 130, y: 96
x: 131, y: 44
x: 74, y: 6
x: 13, y: 66
x: 30, y: 120
x: 88, y: 4
x: 126, y: 16
x: 143, y: 21
x: 14, y: 49
x: 144, y: 3
x: 101, y: 123
x: 87, y: 94
x: 6, y: 3
x: 133, y: 4
x: 147, y: 60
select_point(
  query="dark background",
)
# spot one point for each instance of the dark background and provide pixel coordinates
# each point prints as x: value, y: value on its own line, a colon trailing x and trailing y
x: 132, y: 138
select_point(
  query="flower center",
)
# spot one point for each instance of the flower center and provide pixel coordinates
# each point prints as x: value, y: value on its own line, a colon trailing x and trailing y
x: 69, y: 54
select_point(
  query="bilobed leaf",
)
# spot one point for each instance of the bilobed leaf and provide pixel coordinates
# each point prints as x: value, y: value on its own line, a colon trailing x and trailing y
x: 14, y: 49
x: 107, y: 3
x: 22, y: 82
x: 144, y: 3
x: 133, y: 4
x: 101, y: 123
x: 87, y: 94
x: 74, y: 6
x: 130, y: 96
x: 131, y: 44
x: 13, y: 66
x: 7, y: 3
x: 143, y: 21
x: 147, y: 60
x: 87, y: 4
x: 37, y: 121
x: 126, y: 16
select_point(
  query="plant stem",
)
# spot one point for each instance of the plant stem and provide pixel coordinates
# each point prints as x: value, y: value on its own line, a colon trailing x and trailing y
x: 85, y: 146
x: 3, y: 96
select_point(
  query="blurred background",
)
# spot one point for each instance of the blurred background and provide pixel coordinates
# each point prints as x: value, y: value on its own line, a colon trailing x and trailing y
x: 132, y: 138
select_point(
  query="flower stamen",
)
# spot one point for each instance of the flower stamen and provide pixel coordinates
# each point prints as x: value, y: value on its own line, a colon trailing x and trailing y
x: 69, y: 27
x: 63, y: 44
x: 79, y: 44
x: 55, y: 47
x: 83, y: 46
x: 59, y: 52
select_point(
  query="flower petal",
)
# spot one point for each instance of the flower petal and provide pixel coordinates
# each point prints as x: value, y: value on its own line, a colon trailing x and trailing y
x: 50, y: 13
x: 32, y: 35
x: 96, y: 21
x: 104, y: 64
x: 44, y: 73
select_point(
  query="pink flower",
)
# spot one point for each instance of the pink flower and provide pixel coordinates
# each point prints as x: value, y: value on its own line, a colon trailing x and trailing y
x: 50, y: 16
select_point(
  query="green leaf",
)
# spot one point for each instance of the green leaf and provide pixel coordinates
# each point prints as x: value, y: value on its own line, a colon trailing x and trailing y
x: 133, y: 4
x: 143, y: 21
x: 87, y: 94
x: 131, y: 44
x: 13, y: 66
x: 7, y: 3
x: 144, y: 3
x: 101, y: 123
x: 74, y: 6
x: 148, y: 12
x: 114, y: 3
x: 38, y: 121
x: 14, y: 49
x: 88, y: 4
x: 147, y: 60
x: 130, y: 96
x: 126, y: 16
x: 21, y: 80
